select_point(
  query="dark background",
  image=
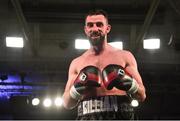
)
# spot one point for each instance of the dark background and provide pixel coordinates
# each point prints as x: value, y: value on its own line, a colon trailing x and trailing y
x: 50, y: 27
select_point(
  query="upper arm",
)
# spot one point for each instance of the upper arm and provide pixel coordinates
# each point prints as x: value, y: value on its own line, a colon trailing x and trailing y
x: 132, y: 68
x: 68, y: 102
x: 72, y: 73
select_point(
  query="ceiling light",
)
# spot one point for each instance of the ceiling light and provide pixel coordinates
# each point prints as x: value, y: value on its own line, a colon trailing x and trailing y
x: 14, y: 42
x: 118, y: 45
x: 151, y: 43
x: 82, y: 44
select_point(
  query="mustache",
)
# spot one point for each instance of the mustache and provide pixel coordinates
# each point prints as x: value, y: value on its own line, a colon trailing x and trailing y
x: 95, y: 33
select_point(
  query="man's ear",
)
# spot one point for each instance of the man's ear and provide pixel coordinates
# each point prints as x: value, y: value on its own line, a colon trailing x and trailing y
x: 108, y: 28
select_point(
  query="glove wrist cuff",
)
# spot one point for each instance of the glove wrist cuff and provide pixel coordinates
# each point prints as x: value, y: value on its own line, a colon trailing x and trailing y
x: 134, y: 87
x: 74, y: 94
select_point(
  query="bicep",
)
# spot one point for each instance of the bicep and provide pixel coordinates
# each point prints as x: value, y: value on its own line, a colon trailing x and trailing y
x: 132, y: 68
x: 71, y: 76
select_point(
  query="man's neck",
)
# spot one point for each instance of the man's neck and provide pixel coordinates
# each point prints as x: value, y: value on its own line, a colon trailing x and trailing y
x: 99, y: 49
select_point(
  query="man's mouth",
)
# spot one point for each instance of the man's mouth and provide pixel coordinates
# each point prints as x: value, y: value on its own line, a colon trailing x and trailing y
x: 95, y: 37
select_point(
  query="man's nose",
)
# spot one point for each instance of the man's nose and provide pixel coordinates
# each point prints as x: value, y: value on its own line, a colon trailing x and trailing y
x: 95, y: 28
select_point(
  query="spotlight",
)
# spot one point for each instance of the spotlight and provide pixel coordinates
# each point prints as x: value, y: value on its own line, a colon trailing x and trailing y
x: 47, y: 102
x: 35, y: 101
x: 14, y: 42
x: 151, y: 43
x: 134, y: 103
x: 82, y: 44
x: 58, y: 101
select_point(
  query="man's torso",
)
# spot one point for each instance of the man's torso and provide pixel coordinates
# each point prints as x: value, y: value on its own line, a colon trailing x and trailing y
x: 101, y: 61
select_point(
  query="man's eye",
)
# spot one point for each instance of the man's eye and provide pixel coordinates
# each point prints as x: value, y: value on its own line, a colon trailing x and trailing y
x: 90, y: 24
x: 99, y: 24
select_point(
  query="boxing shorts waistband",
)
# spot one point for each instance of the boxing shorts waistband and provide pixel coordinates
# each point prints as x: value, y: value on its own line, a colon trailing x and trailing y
x: 101, y: 104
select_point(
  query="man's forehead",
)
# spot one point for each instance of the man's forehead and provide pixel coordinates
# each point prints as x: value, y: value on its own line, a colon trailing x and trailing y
x: 95, y: 18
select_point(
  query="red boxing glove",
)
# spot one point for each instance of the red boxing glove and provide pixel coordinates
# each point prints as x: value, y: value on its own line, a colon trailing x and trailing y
x: 88, y: 77
x: 115, y: 76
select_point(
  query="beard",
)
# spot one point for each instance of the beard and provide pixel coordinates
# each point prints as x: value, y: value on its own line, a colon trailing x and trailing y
x: 96, y: 38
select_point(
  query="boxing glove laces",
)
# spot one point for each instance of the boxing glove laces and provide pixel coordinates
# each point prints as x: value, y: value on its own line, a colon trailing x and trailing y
x: 115, y: 76
x: 88, y: 77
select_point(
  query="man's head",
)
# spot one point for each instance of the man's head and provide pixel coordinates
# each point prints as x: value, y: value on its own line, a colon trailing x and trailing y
x: 97, y: 12
x: 97, y: 27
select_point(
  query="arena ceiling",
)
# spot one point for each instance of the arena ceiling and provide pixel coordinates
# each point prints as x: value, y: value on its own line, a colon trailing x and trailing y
x: 49, y: 28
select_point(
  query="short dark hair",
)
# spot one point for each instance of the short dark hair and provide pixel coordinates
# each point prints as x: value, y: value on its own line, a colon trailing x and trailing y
x: 97, y: 12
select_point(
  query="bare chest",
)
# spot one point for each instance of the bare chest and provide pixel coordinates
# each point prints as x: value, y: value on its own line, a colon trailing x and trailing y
x: 102, y: 61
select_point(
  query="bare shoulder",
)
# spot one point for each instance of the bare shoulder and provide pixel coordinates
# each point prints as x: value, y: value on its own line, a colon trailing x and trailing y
x: 121, y: 52
x: 129, y: 58
x: 126, y: 53
x: 76, y: 61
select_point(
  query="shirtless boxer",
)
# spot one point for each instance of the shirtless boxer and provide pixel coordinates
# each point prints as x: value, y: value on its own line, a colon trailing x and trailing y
x: 101, y: 79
